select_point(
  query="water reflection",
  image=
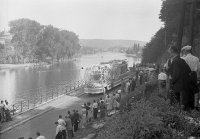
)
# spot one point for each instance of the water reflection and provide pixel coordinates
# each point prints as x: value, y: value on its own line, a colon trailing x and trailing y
x: 8, y: 85
x: 20, y: 83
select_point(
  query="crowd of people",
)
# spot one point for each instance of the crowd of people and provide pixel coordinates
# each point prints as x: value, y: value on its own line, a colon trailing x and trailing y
x: 97, y: 110
x: 90, y: 112
x: 179, y: 76
x: 5, y: 111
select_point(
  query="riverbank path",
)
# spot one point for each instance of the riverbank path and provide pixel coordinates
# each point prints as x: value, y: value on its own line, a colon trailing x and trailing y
x: 42, y: 118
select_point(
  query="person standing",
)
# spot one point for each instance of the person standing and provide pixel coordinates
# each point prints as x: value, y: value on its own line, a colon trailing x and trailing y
x: 123, y: 85
x: 69, y: 114
x: 89, y: 112
x: 162, y: 80
x: 39, y: 136
x: 83, y: 116
x: 179, y: 71
x: 137, y: 75
x: 108, y: 103
x: 133, y: 85
x: 69, y: 127
x: 95, y: 109
x: 193, y: 63
x: 59, y: 129
x: 2, y: 110
x: 119, y: 95
x: 102, y: 109
x: 115, y: 103
x: 63, y: 124
x: 7, y: 112
x: 162, y: 77
x: 127, y: 86
x: 76, y: 120
x: 100, y: 100
x: 141, y: 77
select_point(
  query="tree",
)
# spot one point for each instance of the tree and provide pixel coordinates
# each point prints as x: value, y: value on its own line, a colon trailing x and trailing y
x: 24, y: 33
x: 170, y: 15
x: 32, y: 40
x: 155, y: 48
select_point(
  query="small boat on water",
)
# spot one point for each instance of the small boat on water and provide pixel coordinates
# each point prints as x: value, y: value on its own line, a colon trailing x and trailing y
x: 100, y: 77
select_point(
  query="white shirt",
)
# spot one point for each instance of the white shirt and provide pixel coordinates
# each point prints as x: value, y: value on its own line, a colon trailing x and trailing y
x: 162, y: 76
x: 192, y: 61
x: 7, y: 107
x: 127, y: 84
x: 117, y: 95
x: 83, y: 112
x: 95, y: 105
x: 2, y: 105
x: 62, y: 123
x: 59, y: 128
x: 40, y: 137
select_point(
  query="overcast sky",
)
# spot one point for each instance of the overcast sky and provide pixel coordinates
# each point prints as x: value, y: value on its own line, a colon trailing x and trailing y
x: 90, y: 19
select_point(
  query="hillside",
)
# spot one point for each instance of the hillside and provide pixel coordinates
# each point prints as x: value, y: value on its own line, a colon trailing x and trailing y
x: 100, y: 43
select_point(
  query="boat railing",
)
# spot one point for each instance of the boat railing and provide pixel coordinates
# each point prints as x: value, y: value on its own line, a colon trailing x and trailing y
x: 43, y: 95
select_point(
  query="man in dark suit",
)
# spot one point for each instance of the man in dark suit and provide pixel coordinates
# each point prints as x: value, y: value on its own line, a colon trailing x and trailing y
x: 179, y: 72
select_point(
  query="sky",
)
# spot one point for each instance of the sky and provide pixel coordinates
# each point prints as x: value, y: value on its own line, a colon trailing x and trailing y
x: 89, y: 19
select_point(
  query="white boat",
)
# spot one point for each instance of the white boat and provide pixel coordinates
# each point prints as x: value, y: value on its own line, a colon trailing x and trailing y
x: 101, y: 77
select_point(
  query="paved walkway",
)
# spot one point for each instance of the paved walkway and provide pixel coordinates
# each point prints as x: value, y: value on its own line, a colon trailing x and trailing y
x: 43, y: 117
x: 41, y: 109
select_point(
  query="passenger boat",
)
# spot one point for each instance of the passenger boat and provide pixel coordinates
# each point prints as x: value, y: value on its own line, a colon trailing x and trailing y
x: 101, y: 77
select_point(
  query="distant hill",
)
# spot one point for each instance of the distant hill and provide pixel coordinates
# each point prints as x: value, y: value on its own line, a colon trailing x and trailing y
x: 105, y: 44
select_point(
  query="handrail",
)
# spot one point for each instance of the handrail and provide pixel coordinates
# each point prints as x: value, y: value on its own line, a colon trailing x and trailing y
x: 43, y: 95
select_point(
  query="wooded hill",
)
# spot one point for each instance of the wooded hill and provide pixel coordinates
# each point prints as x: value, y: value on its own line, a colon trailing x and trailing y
x: 106, y: 44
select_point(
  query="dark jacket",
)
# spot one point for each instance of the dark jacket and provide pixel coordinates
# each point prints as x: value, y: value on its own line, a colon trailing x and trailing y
x: 179, y: 71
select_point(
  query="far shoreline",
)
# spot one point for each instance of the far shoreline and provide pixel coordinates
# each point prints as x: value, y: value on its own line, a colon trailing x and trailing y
x: 12, y: 66
x: 24, y: 65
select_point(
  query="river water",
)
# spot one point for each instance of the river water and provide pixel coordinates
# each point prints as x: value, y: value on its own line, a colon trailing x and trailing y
x: 15, y: 83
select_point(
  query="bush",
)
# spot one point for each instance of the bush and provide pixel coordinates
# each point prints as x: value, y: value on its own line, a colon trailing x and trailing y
x: 149, y: 116
x: 141, y: 122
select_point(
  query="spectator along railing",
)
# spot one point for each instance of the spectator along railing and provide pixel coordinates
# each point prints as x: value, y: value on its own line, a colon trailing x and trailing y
x: 43, y: 95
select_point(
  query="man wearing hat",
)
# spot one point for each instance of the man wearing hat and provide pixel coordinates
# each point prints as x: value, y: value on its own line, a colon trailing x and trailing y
x: 190, y: 59
x: 193, y: 63
x: 179, y: 72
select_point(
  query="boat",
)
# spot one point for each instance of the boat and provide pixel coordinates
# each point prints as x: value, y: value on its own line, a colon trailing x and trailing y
x: 100, y: 77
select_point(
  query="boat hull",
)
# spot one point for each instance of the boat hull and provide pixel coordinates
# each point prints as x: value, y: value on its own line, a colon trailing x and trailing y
x: 94, y: 90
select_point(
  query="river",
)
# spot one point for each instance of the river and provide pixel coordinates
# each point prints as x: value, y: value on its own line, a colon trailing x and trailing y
x: 15, y: 83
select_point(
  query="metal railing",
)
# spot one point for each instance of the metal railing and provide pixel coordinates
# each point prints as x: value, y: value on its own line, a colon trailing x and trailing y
x: 43, y: 95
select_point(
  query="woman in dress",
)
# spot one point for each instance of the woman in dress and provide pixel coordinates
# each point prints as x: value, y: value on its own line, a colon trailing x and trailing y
x: 83, y: 116
x: 90, y: 112
x: 102, y: 109
x: 115, y: 103
x: 108, y: 103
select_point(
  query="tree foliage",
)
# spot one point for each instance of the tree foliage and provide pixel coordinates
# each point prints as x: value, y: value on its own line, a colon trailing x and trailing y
x: 32, y: 40
x: 134, y: 49
x: 149, y: 118
x: 164, y: 37
x: 24, y: 35
x: 155, y: 48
